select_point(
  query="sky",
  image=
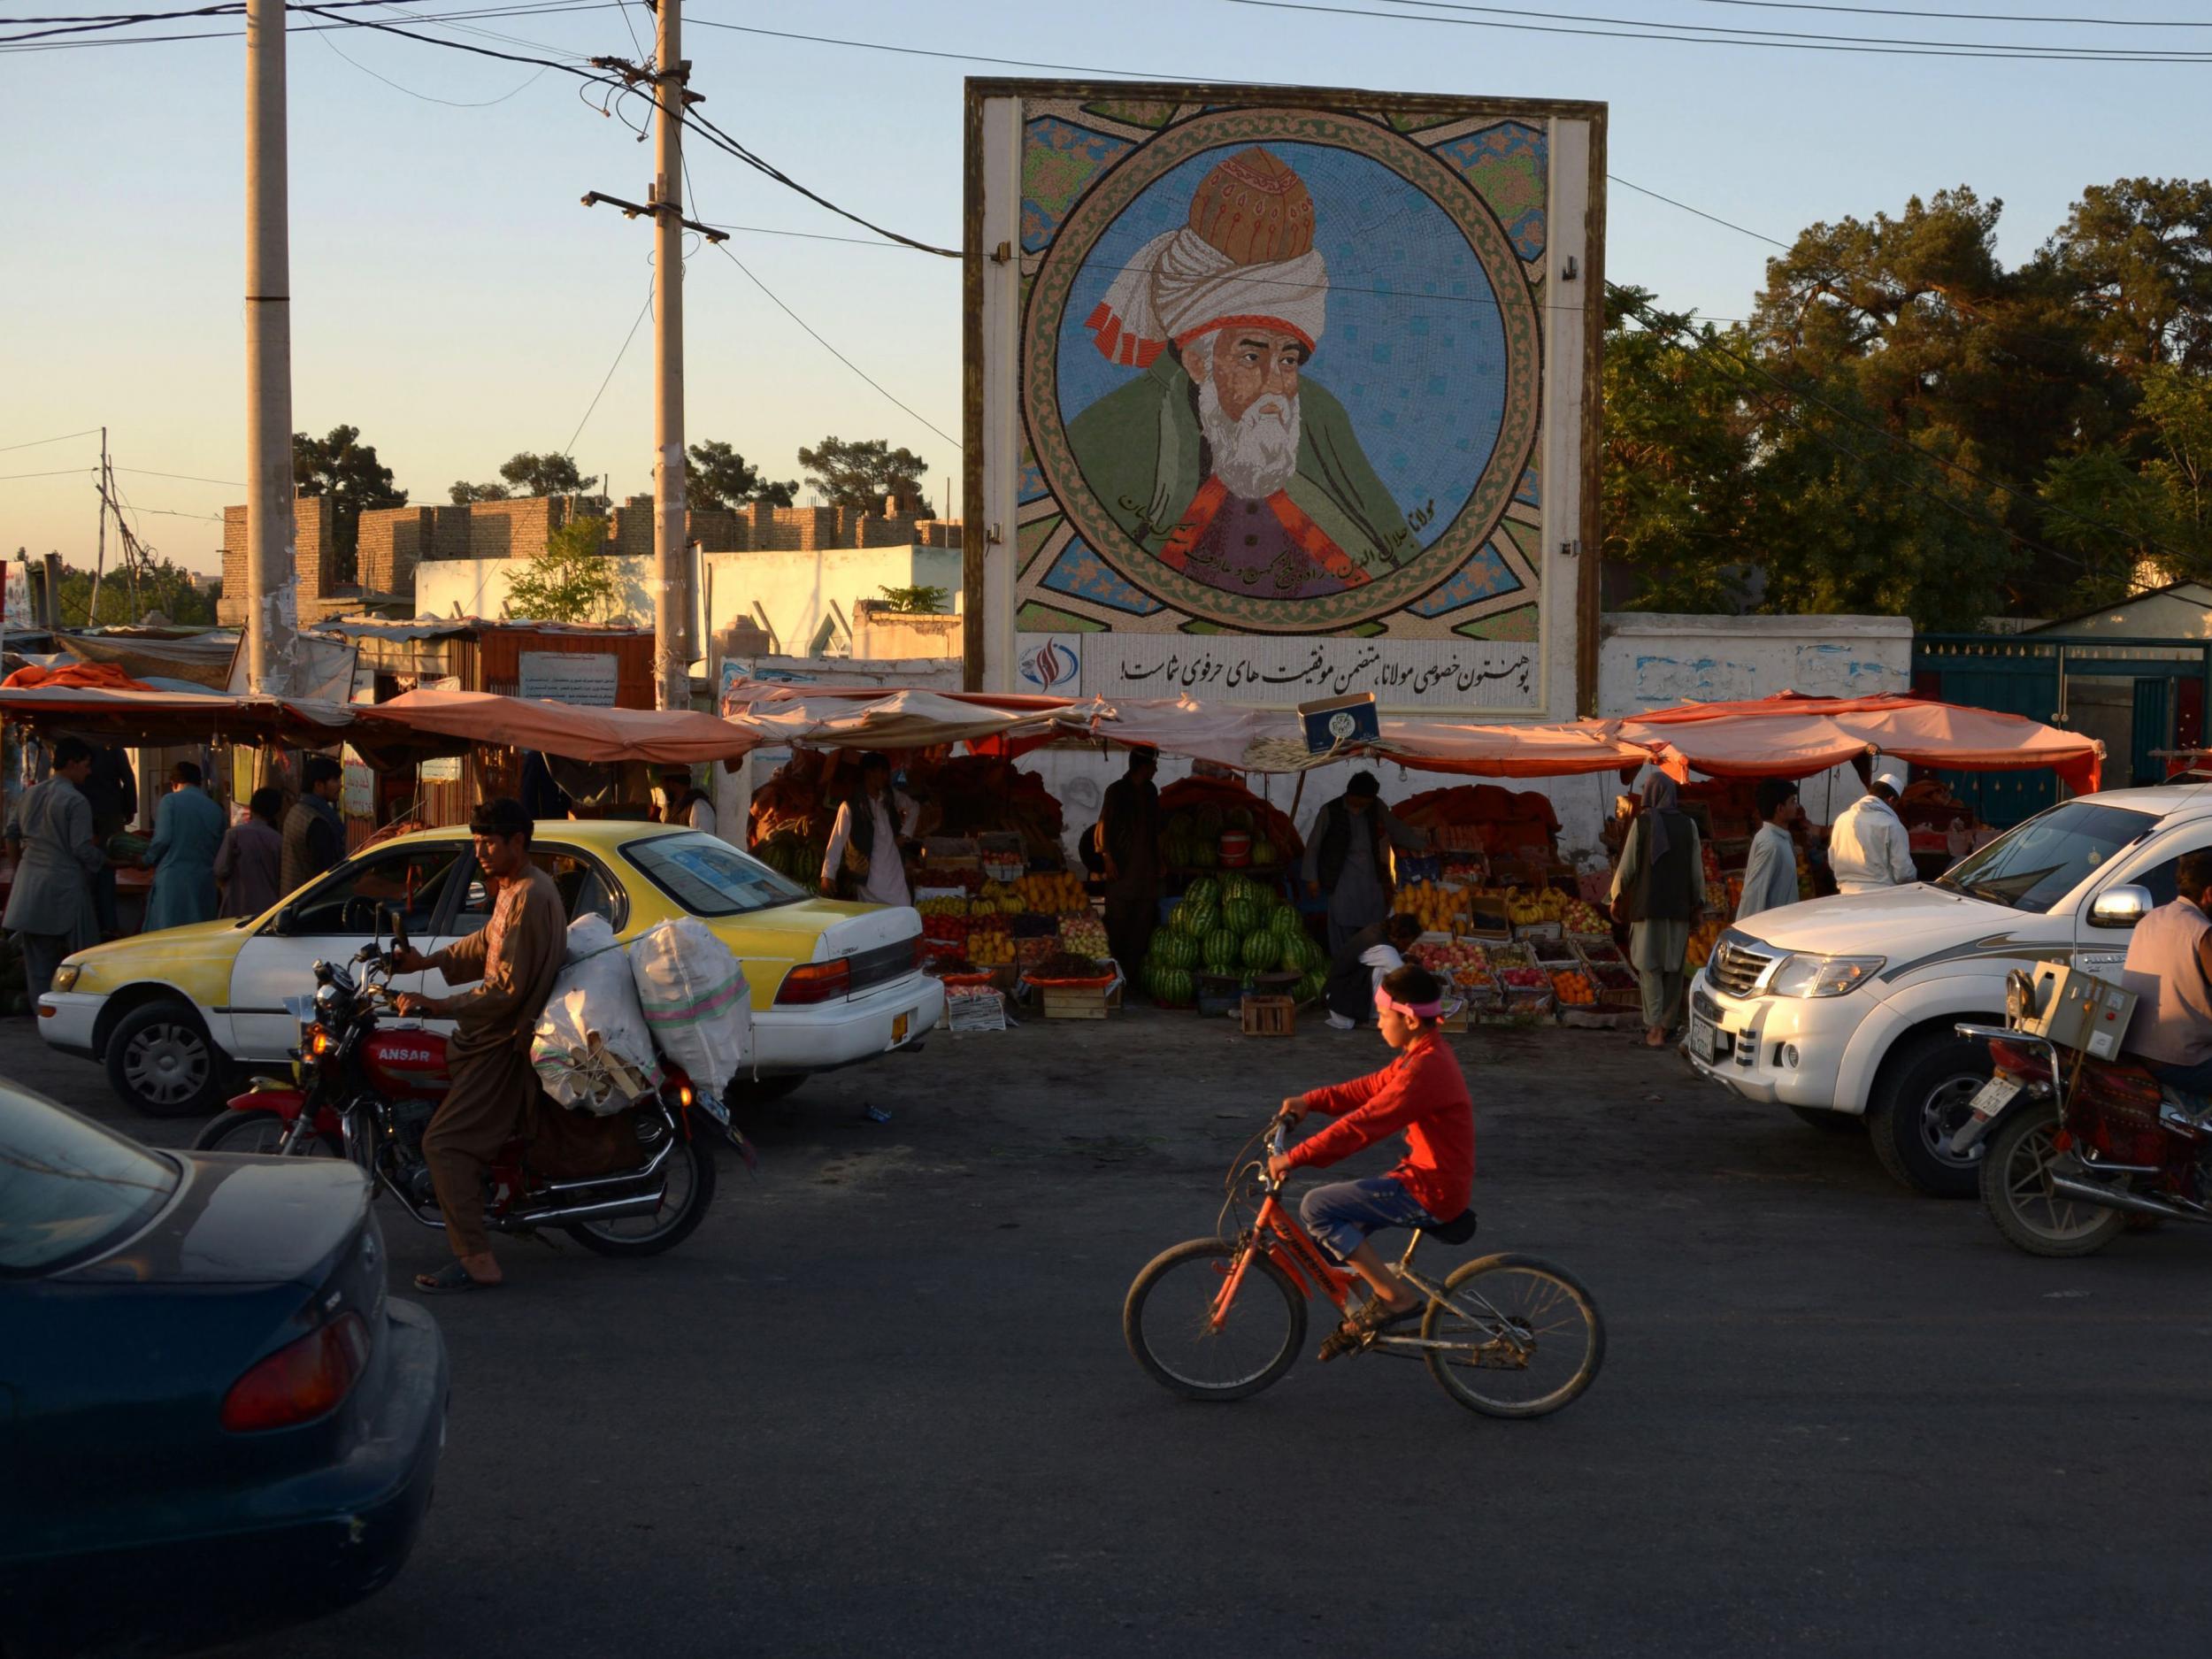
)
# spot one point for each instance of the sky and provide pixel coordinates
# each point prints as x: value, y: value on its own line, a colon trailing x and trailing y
x: 453, y: 299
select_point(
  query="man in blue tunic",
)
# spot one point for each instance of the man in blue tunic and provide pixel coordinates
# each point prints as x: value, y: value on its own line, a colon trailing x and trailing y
x: 187, y: 832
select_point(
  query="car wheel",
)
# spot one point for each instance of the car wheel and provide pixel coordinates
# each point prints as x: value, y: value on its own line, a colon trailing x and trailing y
x: 1919, y: 1103
x: 161, y: 1060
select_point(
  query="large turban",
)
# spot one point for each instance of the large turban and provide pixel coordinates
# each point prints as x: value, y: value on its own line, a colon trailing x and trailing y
x: 1245, y: 257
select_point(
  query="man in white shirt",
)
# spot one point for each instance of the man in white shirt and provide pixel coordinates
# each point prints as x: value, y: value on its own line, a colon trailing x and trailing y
x: 684, y: 804
x: 1769, y: 874
x: 863, y: 861
x: 1868, y: 846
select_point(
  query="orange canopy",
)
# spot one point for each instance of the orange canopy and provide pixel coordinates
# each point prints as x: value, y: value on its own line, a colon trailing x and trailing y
x: 1510, y: 751
x: 675, y: 736
x: 1792, y: 735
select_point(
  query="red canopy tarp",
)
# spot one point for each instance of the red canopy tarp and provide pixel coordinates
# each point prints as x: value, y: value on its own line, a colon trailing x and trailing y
x: 175, y: 716
x: 1792, y: 735
x: 672, y: 736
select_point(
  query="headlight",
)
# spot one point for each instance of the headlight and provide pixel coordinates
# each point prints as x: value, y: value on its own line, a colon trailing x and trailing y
x: 326, y: 998
x: 1823, y: 976
x: 65, y: 976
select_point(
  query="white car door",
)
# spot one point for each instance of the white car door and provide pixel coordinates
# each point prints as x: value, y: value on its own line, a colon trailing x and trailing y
x: 2100, y: 950
x: 330, y: 921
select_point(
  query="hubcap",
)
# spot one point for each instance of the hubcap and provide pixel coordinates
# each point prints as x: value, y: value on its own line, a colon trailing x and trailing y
x: 166, y: 1064
x: 1942, y: 1113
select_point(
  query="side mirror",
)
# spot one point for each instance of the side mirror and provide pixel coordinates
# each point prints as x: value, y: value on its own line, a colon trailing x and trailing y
x: 2120, y: 907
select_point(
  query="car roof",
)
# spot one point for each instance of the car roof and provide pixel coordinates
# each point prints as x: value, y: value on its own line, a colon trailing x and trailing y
x: 2165, y: 800
x: 599, y: 834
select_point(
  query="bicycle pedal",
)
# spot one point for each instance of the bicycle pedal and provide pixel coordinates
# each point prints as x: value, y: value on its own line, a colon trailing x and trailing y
x: 1339, y: 1343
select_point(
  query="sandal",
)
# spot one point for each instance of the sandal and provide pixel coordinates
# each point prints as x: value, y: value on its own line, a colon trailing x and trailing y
x: 1372, y: 1317
x: 453, y: 1277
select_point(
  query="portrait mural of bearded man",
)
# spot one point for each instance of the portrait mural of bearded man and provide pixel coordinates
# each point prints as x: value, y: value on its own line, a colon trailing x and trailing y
x: 1277, y: 394
x: 1223, y: 459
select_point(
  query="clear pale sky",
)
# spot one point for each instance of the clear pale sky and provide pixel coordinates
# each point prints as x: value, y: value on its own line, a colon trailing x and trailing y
x: 453, y: 299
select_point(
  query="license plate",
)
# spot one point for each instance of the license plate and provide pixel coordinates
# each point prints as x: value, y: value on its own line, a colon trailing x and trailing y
x: 899, y: 1025
x: 716, y: 1109
x: 1704, y: 1040
x: 1993, y: 1096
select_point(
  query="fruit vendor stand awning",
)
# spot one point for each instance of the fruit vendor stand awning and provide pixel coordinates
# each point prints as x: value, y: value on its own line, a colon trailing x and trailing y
x: 1510, y: 751
x: 1791, y: 736
x: 672, y: 736
x: 119, y: 716
x: 902, y: 719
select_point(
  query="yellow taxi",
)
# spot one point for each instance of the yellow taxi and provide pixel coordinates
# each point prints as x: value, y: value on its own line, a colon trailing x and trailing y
x: 175, y: 1014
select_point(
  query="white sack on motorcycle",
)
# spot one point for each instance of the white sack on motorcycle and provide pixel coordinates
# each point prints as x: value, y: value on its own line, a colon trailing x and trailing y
x: 697, y: 1005
x: 592, y: 1049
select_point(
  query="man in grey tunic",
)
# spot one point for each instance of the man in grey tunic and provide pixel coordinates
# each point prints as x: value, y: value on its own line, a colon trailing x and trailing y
x: 1347, y: 857
x: 50, y: 908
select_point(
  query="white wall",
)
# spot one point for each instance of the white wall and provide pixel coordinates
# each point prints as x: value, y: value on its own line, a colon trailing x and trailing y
x: 1652, y: 661
x: 796, y: 590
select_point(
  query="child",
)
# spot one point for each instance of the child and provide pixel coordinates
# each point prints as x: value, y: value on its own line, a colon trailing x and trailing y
x: 1420, y: 1092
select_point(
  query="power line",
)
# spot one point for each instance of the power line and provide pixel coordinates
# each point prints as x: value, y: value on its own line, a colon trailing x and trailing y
x: 189, y: 477
x: 34, y: 442
x: 1757, y: 235
x: 21, y: 43
x: 1965, y: 16
x: 65, y: 472
x: 452, y: 103
x: 571, y: 450
x: 967, y: 58
x: 2091, y: 53
x: 1683, y: 39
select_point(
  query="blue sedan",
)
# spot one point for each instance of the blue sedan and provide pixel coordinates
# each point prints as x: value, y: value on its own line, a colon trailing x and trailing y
x: 212, y: 1423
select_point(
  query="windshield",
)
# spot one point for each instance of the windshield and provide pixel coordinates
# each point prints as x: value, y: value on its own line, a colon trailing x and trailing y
x: 709, y: 877
x: 67, y: 1186
x: 2034, y: 866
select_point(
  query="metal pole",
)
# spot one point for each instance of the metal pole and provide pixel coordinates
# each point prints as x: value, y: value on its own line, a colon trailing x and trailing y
x: 672, y: 573
x: 99, y: 568
x: 272, y: 573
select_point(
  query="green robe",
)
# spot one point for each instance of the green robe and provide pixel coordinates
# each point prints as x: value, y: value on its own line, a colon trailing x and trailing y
x: 1138, y: 448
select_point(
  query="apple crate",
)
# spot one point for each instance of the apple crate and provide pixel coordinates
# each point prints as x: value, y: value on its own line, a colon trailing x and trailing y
x: 1269, y: 1015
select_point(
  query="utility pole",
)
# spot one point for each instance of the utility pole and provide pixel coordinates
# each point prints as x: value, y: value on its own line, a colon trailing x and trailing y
x: 672, y: 561
x: 99, y: 569
x: 272, y: 572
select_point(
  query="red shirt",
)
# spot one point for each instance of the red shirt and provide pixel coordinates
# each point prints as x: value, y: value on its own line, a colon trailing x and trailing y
x: 1422, y: 1092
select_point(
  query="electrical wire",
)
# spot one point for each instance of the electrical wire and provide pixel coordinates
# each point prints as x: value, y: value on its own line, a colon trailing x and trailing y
x: 1645, y: 33
x: 189, y: 477
x: 570, y: 450
x: 1963, y: 17
x: 534, y: 76
x: 1756, y: 236
x: 34, y: 442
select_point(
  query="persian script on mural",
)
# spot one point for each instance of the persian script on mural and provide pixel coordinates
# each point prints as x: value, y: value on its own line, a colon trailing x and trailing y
x: 1281, y: 371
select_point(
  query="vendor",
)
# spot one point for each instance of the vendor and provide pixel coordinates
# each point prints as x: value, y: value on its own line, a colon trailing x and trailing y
x: 1357, y: 972
x: 1347, y: 857
x: 863, y: 862
x: 684, y: 803
x: 1128, y: 845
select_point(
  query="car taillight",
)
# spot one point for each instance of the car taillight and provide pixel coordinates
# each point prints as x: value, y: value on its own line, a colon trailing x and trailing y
x: 816, y: 982
x: 299, y: 1381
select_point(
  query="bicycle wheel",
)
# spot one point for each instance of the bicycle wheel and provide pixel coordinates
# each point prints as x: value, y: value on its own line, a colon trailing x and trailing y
x: 1524, y: 1337
x: 1168, y: 1321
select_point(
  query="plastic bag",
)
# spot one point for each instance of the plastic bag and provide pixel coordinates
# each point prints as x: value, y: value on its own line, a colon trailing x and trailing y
x: 697, y: 1005
x: 592, y: 1049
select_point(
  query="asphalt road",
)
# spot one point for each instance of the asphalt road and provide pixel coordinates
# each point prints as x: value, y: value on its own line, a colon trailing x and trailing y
x: 879, y: 1404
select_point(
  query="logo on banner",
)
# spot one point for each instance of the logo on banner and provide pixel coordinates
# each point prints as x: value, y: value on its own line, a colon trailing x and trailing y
x: 1054, y: 663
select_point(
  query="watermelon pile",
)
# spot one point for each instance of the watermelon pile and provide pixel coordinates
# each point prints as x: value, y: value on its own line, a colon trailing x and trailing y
x: 1229, y: 926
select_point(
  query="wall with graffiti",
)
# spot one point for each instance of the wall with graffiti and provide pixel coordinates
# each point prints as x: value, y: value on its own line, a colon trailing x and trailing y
x: 1278, y: 385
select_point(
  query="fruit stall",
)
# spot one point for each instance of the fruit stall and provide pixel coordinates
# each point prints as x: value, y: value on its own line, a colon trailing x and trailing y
x: 1216, y: 824
x: 1228, y: 935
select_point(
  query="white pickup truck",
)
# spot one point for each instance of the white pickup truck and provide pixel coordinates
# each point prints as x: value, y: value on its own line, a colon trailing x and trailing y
x: 1843, y: 1009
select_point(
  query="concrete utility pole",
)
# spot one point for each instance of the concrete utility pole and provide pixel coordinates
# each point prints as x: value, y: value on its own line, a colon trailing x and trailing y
x: 272, y: 572
x: 671, y: 562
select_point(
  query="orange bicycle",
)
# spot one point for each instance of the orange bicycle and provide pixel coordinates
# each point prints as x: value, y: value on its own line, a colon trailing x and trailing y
x: 1221, y: 1319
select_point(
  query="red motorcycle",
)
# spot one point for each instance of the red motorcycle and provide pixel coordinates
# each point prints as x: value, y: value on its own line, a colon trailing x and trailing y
x: 2077, y: 1146
x: 633, y: 1184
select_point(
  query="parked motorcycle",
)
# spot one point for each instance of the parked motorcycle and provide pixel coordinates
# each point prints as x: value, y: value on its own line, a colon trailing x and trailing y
x: 2078, y: 1145
x: 367, y: 1093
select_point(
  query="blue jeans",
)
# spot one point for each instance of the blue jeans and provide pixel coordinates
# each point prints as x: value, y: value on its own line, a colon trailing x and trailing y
x: 1341, y: 1214
x: 2190, y: 1079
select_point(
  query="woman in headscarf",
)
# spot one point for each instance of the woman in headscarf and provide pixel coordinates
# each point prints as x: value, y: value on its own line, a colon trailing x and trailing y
x: 1659, y: 891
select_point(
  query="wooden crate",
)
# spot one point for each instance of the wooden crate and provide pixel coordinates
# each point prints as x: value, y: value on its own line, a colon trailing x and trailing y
x: 1271, y: 1016
x: 1079, y: 1002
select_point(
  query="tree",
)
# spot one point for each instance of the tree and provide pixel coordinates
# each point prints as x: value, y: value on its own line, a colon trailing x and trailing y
x: 859, y: 475
x: 2138, y: 256
x: 167, y: 588
x: 918, y: 601
x: 572, y: 580
x: 718, y: 477
x: 346, y: 470
x: 529, y: 474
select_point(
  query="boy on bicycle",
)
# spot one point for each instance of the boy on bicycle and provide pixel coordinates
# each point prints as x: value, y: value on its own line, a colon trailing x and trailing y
x: 1420, y: 1092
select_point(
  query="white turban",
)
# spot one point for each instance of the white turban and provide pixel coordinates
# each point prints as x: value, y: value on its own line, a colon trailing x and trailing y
x: 1181, y: 286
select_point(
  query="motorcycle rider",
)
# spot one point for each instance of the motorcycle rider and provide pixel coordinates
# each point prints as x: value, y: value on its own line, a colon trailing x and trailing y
x: 2169, y: 967
x: 512, y: 962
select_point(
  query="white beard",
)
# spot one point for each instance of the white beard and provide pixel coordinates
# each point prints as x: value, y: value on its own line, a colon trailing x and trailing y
x: 1255, y: 455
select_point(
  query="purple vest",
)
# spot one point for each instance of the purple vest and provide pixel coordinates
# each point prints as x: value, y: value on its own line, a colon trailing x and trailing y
x: 2173, y: 1009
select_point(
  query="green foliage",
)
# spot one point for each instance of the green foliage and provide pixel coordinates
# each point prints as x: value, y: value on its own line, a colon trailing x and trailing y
x: 860, y: 474
x: 716, y: 476
x: 918, y: 601
x: 346, y: 470
x: 572, y: 580
x: 168, y: 589
x: 529, y: 474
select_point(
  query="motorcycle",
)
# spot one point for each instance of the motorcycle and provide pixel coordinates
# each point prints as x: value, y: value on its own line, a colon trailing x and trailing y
x: 2078, y: 1146
x: 363, y: 1092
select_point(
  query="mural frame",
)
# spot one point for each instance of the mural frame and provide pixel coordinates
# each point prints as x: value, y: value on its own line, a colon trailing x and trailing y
x: 1564, y: 551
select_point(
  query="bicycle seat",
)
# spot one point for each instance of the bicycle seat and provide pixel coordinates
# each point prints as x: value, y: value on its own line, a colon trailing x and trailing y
x: 1458, y: 1230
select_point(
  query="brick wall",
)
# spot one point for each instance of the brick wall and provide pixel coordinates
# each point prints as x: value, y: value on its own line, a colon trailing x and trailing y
x: 315, y: 559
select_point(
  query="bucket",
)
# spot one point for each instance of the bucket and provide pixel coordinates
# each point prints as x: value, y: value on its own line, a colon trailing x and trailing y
x: 1236, y: 849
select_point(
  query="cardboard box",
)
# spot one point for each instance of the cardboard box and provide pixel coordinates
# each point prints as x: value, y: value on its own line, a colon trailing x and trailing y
x: 1337, y: 720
